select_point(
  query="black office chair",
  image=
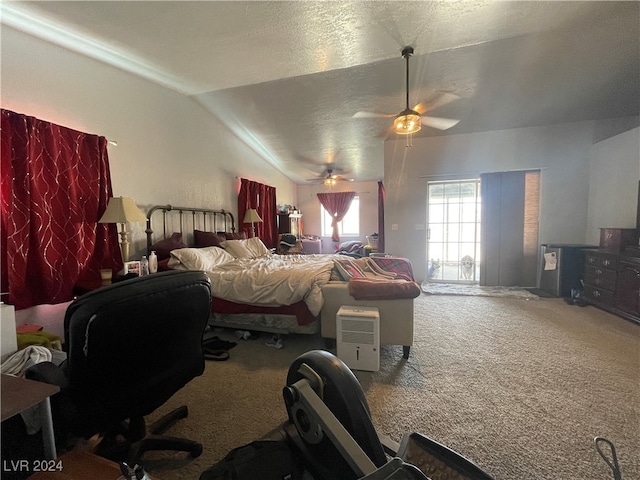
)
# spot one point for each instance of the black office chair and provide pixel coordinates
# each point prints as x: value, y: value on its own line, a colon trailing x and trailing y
x: 130, y: 347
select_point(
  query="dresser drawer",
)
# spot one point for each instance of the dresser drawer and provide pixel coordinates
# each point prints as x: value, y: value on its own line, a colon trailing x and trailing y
x: 598, y: 294
x: 604, y: 261
x: 600, y: 277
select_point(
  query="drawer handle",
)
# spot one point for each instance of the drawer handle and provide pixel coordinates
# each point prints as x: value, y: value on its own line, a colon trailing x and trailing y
x: 606, y: 263
x: 592, y: 260
x: 637, y: 272
x: 598, y: 271
x: 596, y: 293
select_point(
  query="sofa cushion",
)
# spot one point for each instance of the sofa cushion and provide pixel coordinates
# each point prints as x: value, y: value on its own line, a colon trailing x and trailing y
x: 377, y: 289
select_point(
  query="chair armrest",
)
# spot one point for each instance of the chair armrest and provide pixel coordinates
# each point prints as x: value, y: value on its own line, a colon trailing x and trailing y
x: 48, y: 372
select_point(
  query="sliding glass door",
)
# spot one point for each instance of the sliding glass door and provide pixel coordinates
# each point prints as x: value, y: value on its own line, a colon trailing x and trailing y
x: 453, y: 231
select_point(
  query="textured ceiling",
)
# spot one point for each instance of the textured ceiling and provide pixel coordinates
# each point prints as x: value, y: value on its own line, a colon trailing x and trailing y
x: 286, y: 77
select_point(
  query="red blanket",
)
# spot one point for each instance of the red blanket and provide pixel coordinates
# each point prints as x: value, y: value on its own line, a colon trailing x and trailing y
x: 382, y: 289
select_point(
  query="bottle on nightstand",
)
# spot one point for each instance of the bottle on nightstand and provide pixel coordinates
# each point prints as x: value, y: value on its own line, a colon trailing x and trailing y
x: 153, y: 262
x: 144, y: 266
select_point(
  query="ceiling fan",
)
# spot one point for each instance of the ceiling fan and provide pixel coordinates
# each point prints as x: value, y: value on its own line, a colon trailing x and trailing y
x: 410, y: 120
x: 330, y: 178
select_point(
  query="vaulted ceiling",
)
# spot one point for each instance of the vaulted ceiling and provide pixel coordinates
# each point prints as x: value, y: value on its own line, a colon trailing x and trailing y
x: 287, y: 76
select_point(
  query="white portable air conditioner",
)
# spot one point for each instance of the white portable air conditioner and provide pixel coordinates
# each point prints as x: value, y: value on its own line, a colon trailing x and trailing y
x: 358, y: 342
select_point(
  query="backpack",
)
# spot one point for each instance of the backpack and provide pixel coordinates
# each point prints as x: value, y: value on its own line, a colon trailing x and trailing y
x: 262, y: 459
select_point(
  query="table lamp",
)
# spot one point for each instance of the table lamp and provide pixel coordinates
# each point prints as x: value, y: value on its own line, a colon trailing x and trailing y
x: 122, y: 210
x: 251, y: 216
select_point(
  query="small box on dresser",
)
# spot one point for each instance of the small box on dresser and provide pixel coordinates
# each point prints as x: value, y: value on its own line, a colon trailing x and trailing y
x: 618, y: 238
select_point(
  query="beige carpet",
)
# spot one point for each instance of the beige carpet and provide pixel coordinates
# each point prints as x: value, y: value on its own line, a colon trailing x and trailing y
x: 520, y: 387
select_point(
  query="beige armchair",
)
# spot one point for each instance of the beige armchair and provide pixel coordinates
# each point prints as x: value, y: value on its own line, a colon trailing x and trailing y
x: 396, y: 316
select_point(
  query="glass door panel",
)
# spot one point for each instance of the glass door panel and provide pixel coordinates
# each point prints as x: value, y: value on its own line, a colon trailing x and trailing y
x: 453, y: 235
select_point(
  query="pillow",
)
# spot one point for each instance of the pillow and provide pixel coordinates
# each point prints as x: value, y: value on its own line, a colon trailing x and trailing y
x: 351, y: 246
x: 233, y: 235
x: 198, y: 258
x: 164, y: 247
x: 256, y: 247
x: 249, y: 248
x: 347, y: 268
x: 207, y: 239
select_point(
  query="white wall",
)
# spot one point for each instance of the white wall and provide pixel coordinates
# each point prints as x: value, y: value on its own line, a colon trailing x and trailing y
x: 170, y: 149
x: 562, y: 152
x: 310, y: 208
x: 613, y: 186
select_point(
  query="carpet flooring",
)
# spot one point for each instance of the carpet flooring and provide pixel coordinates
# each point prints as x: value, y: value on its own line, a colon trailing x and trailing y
x: 519, y: 387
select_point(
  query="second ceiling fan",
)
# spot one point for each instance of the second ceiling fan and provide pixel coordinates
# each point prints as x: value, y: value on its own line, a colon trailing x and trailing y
x: 410, y: 120
x: 330, y: 178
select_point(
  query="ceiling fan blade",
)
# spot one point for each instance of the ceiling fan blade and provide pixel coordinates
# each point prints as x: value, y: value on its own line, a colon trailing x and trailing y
x: 338, y: 170
x: 439, y: 122
x: 441, y: 100
x: 386, y: 132
x: 372, y: 115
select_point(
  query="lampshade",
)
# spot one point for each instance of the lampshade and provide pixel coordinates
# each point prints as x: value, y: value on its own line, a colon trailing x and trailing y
x: 407, y: 122
x: 122, y: 210
x: 251, y: 216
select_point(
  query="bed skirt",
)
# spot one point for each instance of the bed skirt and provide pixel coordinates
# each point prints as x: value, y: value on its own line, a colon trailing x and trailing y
x: 294, y: 318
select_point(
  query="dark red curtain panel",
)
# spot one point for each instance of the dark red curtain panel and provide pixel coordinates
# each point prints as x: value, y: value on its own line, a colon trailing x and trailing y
x: 268, y: 227
x: 381, y: 199
x: 263, y: 199
x: 337, y: 204
x: 244, y: 203
x: 55, y: 186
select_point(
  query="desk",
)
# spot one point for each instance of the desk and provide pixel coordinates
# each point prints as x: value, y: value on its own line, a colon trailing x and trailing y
x: 19, y: 394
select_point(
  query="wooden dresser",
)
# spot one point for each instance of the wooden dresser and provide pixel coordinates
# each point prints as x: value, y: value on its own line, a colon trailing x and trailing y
x: 612, y: 277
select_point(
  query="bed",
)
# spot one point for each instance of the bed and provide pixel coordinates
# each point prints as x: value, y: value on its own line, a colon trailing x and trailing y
x: 244, y: 289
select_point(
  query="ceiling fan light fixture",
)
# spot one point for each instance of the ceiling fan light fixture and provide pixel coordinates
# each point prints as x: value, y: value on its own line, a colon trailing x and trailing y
x: 407, y: 122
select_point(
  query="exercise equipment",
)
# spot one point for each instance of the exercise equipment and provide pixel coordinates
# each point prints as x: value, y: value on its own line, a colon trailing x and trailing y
x: 330, y: 428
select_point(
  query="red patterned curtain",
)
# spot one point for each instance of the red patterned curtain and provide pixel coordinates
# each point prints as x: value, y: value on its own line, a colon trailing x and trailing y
x: 337, y: 204
x: 55, y: 186
x: 263, y: 199
x: 381, y: 198
x: 268, y: 229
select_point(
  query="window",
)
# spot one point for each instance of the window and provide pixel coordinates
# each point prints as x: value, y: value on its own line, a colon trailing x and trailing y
x: 350, y: 224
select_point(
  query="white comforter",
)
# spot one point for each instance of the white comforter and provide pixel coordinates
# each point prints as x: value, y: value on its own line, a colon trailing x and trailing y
x: 273, y: 280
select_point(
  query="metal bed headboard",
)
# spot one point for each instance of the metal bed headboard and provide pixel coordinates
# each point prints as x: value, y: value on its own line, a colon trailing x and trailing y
x: 209, y: 220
